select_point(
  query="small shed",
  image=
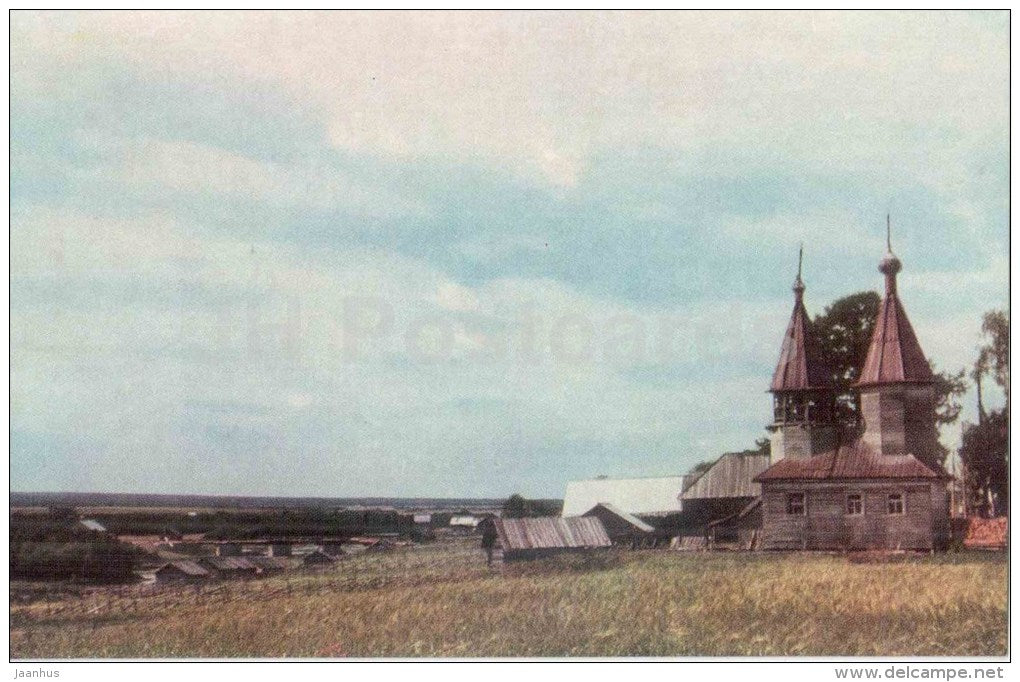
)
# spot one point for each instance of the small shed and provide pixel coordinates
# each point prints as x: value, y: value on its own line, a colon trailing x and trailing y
x: 623, y: 528
x: 423, y: 519
x: 534, y: 538
x: 229, y: 566
x: 270, y: 565
x: 318, y: 558
x: 180, y: 571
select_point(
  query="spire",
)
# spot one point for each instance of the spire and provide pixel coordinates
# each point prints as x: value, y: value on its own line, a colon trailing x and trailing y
x: 798, y: 284
x: 894, y: 355
x: 890, y: 264
x: 798, y: 368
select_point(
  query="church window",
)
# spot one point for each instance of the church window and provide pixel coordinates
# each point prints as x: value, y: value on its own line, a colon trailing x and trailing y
x: 854, y: 505
x: 895, y: 503
x: 795, y: 504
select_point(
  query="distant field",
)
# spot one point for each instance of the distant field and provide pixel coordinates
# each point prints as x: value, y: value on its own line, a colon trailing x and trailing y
x: 440, y: 600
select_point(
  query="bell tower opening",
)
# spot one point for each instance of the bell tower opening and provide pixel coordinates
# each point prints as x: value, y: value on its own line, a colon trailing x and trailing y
x: 803, y: 402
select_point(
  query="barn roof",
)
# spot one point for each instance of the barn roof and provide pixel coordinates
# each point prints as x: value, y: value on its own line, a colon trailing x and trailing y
x: 187, y: 567
x: 228, y: 563
x: 271, y: 562
x: 629, y: 518
x: 552, y: 532
x: 732, y: 475
x: 856, y: 460
x: 660, y: 495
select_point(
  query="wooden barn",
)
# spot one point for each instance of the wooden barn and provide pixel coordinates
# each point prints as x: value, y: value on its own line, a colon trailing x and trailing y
x: 229, y: 566
x: 535, y: 538
x: 724, y: 490
x: 622, y: 528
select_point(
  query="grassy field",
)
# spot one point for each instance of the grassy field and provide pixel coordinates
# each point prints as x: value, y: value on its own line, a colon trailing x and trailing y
x: 442, y: 601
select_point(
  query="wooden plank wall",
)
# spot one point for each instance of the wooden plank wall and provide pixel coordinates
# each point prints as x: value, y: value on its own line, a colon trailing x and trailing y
x: 827, y: 526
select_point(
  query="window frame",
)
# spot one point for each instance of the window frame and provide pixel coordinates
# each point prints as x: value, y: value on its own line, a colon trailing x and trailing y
x: 790, y: 505
x: 859, y: 499
x: 902, y: 501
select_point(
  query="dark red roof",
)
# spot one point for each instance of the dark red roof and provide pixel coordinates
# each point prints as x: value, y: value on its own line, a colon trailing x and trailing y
x: 894, y: 355
x: 855, y: 460
x: 799, y: 367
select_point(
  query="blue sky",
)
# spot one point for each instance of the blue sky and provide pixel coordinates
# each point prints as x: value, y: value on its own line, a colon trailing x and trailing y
x: 470, y: 254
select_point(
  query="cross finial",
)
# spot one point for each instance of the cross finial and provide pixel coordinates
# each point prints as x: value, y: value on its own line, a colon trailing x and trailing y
x: 888, y: 233
x: 798, y: 284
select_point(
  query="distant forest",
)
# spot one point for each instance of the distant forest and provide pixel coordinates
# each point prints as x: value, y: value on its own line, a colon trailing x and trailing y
x: 22, y: 499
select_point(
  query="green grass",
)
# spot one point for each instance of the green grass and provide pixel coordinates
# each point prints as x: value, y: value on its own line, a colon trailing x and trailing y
x: 442, y: 601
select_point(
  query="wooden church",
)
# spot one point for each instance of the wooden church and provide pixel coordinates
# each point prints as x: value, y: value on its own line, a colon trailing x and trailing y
x: 878, y: 490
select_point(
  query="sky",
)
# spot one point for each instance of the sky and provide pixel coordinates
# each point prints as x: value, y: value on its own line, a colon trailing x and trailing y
x: 470, y: 254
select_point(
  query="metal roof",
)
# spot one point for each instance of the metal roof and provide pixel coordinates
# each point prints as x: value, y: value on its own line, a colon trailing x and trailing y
x: 632, y: 495
x: 92, y: 524
x: 464, y: 520
x: 854, y: 461
x: 732, y: 475
x: 629, y: 518
x: 800, y: 367
x: 894, y: 355
x: 551, y: 533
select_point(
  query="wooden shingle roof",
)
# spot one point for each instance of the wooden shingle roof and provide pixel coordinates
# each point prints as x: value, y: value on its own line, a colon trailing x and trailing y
x: 732, y: 475
x: 551, y: 533
x: 853, y: 461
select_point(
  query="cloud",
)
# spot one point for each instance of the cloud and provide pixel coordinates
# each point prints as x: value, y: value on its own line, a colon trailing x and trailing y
x: 575, y: 233
x: 546, y: 94
x: 185, y: 167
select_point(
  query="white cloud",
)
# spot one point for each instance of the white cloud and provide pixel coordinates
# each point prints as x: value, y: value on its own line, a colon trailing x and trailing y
x: 179, y: 166
x: 543, y: 94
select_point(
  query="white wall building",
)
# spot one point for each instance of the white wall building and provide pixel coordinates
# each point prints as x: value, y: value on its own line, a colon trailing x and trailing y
x: 632, y: 495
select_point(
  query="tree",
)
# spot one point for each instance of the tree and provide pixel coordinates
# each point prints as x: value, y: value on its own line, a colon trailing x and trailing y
x: 994, y: 354
x: 843, y: 334
x: 516, y: 507
x: 949, y: 388
x: 984, y: 451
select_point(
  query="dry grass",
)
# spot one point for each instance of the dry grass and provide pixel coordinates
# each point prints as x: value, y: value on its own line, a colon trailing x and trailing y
x: 442, y: 601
